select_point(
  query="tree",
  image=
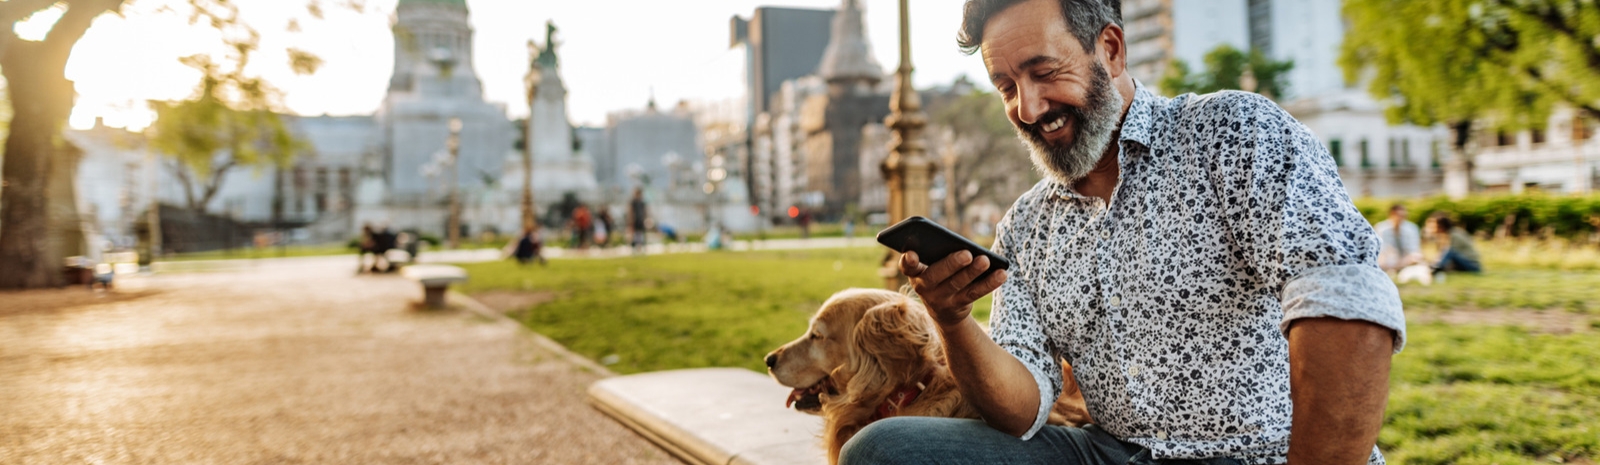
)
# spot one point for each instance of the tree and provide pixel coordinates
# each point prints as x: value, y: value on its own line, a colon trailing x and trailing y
x: 1504, y: 63
x: 41, y: 98
x: 212, y: 134
x: 1228, y: 68
x: 982, y: 158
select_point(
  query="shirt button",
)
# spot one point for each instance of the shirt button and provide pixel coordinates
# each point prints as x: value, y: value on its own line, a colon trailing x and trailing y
x: 1133, y: 370
x: 1116, y: 301
x: 1162, y: 435
x: 1106, y: 234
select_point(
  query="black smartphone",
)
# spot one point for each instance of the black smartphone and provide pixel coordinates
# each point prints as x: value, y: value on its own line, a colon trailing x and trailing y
x: 933, y: 242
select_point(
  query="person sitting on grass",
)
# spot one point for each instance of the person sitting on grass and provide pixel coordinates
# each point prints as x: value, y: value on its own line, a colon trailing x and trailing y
x: 1401, y: 245
x: 1459, y: 254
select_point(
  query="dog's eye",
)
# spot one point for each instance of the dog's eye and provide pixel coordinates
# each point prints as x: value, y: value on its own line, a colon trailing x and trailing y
x: 816, y: 336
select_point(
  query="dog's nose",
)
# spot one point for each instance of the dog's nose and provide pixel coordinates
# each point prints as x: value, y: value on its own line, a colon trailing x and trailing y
x: 772, y: 360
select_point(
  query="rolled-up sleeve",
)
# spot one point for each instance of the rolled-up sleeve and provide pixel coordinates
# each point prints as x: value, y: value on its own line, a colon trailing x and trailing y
x: 1015, y: 325
x: 1293, y: 216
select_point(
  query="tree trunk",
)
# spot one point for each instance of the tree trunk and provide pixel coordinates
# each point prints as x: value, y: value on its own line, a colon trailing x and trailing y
x: 1458, y: 170
x: 41, y: 99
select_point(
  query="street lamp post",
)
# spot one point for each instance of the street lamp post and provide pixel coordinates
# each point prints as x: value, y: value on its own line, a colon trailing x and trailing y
x: 907, y: 170
x: 454, y: 143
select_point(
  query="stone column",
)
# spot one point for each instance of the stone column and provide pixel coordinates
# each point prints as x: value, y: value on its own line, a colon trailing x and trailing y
x: 908, y: 169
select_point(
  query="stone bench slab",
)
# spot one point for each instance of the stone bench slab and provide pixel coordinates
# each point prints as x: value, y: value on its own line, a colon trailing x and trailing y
x: 721, y: 416
x: 434, y: 275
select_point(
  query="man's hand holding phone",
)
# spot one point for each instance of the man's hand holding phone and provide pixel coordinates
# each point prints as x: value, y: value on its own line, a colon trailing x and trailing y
x: 950, y: 286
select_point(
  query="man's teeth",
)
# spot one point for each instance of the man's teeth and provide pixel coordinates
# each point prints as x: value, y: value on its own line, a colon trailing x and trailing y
x: 1054, y: 125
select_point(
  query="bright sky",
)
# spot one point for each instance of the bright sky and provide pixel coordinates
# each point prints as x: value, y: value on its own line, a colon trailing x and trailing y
x: 614, y: 52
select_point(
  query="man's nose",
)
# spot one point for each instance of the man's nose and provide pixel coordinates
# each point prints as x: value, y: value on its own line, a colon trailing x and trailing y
x: 1030, y: 106
x: 772, y: 360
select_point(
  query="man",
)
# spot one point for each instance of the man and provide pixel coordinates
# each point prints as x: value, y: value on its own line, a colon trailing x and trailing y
x: 637, y: 212
x: 1195, y: 260
x: 1401, y: 242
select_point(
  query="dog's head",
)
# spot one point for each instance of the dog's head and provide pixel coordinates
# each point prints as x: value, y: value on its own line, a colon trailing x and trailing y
x: 855, y: 331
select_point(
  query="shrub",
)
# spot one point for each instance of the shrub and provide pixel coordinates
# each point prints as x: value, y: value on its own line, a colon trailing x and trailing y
x: 1533, y: 214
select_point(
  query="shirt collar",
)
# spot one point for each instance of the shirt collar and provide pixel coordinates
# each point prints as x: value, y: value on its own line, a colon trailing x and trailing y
x: 1137, y: 126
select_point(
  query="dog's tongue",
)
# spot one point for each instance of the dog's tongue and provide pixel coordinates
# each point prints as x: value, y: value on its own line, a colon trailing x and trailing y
x: 793, y: 396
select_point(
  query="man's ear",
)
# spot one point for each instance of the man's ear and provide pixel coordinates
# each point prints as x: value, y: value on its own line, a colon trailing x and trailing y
x: 1112, y: 50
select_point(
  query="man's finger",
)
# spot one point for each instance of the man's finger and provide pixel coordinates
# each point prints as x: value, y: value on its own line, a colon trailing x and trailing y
x: 982, y: 288
x: 910, y: 266
x: 967, y: 274
x: 947, y: 267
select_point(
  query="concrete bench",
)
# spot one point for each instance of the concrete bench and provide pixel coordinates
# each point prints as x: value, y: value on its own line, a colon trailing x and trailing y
x: 721, y: 416
x: 435, y: 280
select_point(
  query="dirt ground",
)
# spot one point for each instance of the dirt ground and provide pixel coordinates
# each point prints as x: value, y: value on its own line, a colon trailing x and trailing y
x: 292, y: 364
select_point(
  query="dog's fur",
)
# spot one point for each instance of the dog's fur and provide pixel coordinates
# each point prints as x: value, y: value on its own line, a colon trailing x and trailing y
x: 863, y: 346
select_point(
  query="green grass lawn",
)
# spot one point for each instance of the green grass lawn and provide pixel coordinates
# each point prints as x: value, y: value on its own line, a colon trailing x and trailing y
x: 267, y: 252
x: 1459, y: 394
x: 1493, y: 395
x: 685, y: 310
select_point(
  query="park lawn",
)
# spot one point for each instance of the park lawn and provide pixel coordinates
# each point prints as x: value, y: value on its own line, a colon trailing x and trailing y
x: 1493, y: 395
x: 265, y: 252
x: 681, y: 310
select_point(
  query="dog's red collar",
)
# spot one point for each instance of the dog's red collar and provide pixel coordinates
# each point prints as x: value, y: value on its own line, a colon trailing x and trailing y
x: 902, y: 397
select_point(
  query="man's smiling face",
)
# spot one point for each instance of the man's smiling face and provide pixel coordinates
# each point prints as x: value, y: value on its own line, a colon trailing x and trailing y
x: 1058, y: 95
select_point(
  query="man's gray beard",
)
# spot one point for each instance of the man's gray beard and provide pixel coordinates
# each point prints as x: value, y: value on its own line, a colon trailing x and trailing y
x: 1091, y: 132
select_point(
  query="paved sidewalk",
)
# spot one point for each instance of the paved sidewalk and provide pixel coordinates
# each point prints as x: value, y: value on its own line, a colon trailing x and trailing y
x: 290, y: 362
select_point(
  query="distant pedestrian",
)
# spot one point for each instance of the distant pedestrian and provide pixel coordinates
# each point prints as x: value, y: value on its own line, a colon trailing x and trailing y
x: 637, y: 213
x: 528, y: 247
x: 582, y: 224
x: 1459, y: 254
x: 604, y: 228
x: 805, y: 224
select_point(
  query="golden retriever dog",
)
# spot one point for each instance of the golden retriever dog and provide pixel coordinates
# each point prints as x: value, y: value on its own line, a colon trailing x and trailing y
x: 871, y: 354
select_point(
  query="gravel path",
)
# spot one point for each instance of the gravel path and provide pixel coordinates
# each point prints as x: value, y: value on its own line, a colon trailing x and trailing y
x: 298, y: 362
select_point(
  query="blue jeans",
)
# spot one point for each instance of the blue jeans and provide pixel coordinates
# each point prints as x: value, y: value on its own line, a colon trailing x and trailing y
x: 925, y: 440
x: 1452, y: 261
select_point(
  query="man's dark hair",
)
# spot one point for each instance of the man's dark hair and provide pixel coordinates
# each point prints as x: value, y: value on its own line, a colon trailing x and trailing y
x: 1444, y: 223
x: 1085, y: 19
x: 1396, y: 207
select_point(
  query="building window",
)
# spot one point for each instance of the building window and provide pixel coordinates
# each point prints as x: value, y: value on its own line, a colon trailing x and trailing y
x: 1366, y: 154
x: 1433, y: 158
x: 1538, y: 136
x: 1581, y: 128
x: 1336, y: 148
x: 1405, y: 152
x: 1394, y: 153
x: 1504, y: 138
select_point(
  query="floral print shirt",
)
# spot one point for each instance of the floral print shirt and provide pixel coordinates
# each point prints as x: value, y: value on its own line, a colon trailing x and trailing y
x: 1172, y: 303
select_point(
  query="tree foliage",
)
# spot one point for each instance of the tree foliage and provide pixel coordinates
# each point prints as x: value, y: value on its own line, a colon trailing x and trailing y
x: 980, y: 156
x: 1226, y: 69
x: 1455, y: 61
x: 230, y: 123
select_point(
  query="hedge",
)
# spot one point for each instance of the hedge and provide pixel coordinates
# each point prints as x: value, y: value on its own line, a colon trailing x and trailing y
x: 1534, y: 214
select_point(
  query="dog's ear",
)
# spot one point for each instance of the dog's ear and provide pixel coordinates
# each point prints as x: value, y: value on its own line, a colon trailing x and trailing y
x: 891, y: 345
x: 898, y: 335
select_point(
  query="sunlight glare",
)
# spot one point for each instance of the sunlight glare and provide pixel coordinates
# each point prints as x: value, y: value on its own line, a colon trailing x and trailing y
x: 37, y: 25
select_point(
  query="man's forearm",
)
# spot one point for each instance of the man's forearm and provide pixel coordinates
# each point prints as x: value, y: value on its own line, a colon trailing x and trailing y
x: 991, y: 379
x: 1339, y: 382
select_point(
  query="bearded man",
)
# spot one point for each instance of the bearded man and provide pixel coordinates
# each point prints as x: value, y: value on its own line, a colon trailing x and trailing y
x: 1196, y: 260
